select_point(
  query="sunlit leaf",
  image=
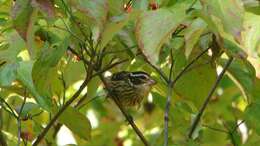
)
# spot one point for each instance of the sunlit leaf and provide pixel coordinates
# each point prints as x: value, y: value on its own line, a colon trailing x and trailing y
x: 192, y: 35
x: 95, y: 9
x: 111, y: 28
x: 229, y: 11
x: 10, y: 48
x: 44, y: 69
x: 24, y: 75
x: 154, y: 28
x: 251, y: 34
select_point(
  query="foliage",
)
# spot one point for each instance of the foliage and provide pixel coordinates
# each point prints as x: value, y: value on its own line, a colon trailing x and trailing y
x: 55, y: 55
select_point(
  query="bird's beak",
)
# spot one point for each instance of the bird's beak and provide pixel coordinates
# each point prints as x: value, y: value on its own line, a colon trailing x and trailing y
x: 152, y: 82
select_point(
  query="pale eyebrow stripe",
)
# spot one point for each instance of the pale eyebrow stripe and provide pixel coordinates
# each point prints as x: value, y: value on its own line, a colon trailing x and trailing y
x: 140, y: 75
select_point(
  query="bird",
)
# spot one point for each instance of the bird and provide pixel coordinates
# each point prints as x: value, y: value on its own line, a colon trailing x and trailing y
x: 130, y: 88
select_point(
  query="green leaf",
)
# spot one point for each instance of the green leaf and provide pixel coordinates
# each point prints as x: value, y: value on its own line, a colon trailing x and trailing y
x: 252, y: 116
x: 251, y: 35
x: 192, y: 35
x: 24, y: 75
x: 196, y: 83
x: 44, y: 69
x: 154, y: 28
x: 243, y: 74
x: 233, y: 48
x: 11, y: 46
x: 229, y: 11
x: 111, y: 28
x: 95, y: 9
x: 21, y: 14
x: 7, y: 74
x: 76, y: 122
x: 30, y: 108
x: 227, y: 40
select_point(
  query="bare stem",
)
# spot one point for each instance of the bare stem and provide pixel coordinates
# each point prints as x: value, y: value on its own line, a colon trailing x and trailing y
x: 203, y: 107
x: 168, y: 103
x: 19, y: 120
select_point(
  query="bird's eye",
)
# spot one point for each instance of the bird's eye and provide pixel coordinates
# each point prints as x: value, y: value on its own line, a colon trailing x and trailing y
x: 136, y: 81
x: 143, y: 77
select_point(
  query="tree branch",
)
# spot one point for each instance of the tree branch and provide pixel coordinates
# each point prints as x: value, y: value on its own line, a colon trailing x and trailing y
x: 63, y: 108
x: 203, y: 107
x: 168, y: 102
x: 128, y: 118
x: 19, y: 120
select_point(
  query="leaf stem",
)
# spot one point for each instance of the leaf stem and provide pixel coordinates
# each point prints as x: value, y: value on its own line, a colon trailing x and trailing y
x: 19, y: 120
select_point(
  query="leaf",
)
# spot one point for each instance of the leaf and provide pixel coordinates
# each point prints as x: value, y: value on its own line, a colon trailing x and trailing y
x: 7, y: 74
x: 251, y: 35
x: 24, y: 75
x: 153, y: 28
x: 226, y: 40
x: 192, y: 35
x: 243, y: 74
x: 76, y: 122
x: 252, y: 116
x: 95, y: 9
x: 111, y: 28
x: 201, y: 72
x: 30, y: 108
x: 44, y: 69
x: 21, y: 14
x: 229, y: 11
x: 45, y: 6
x: 13, y: 45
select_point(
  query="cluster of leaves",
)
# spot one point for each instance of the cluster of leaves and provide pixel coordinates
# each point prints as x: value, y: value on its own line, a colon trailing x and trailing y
x: 53, y: 54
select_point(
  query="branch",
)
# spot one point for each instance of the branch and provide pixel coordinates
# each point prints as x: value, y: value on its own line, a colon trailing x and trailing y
x: 168, y: 102
x: 19, y: 120
x: 63, y: 108
x: 9, y: 108
x: 128, y: 118
x: 215, y: 129
x: 158, y: 70
x: 203, y: 107
x: 188, y: 66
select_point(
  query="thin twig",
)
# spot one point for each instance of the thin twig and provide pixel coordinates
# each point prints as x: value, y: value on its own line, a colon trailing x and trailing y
x: 215, y: 129
x: 127, y: 116
x: 63, y: 108
x: 188, y: 66
x: 109, y: 67
x: 19, y: 120
x: 9, y: 108
x: 203, y: 107
x: 235, y: 128
x: 168, y: 102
